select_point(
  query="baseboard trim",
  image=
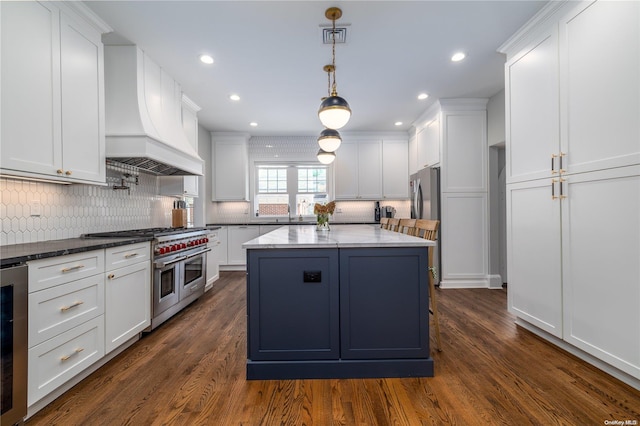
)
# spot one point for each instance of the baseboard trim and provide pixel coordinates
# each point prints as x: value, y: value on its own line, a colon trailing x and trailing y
x: 495, y: 282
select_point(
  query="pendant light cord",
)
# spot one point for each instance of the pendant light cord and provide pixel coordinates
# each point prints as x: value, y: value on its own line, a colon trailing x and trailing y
x: 334, y: 92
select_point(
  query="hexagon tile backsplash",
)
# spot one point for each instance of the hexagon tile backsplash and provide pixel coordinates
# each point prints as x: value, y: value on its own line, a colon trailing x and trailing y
x: 36, y: 211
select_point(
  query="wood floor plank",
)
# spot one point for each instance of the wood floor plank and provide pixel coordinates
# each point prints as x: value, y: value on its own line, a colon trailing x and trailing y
x: 191, y: 371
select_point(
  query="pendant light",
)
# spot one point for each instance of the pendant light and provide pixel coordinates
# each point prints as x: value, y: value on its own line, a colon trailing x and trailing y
x: 326, y: 157
x: 334, y: 111
x: 329, y: 140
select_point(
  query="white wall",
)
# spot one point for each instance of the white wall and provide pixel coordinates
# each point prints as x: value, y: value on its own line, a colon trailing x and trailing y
x: 496, y: 119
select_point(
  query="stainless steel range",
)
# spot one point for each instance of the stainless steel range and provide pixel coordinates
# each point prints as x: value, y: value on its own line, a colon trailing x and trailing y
x: 179, y: 267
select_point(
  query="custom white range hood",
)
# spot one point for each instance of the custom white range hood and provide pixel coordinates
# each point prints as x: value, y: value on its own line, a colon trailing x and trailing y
x: 143, y: 115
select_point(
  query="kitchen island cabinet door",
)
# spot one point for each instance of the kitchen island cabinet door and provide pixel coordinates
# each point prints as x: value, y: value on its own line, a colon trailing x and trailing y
x: 535, y: 261
x: 293, y: 300
x: 384, y: 303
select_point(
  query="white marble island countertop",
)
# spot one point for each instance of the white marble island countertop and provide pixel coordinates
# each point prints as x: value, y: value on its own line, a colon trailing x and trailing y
x: 340, y: 236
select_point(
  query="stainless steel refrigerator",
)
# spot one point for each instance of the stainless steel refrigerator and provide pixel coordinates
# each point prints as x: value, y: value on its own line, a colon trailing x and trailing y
x: 425, y: 204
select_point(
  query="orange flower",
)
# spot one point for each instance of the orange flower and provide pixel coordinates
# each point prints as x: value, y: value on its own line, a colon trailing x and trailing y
x: 324, y: 208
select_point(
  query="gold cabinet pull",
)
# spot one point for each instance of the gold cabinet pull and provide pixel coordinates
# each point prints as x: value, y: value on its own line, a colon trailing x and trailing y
x: 561, y: 181
x: 72, y: 268
x: 553, y: 164
x: 562, y: 154
x: 73, y: 305
x: 553, y: 189
x: 130, y: 255
x: 111, y: 276
x: 76, y: 352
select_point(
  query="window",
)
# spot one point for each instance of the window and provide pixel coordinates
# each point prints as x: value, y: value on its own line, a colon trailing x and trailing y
x: 289, y: 190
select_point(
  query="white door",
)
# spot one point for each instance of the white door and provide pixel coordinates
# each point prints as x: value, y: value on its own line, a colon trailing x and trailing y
x: 600, y: 69
x: 532, y: 118
x: 601, y: 268
x: 534, y: 260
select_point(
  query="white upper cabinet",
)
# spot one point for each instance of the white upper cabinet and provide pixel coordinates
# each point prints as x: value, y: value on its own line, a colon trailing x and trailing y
x: 532, y: 119
x: 574, y: 94
x: 428, y: 144
x: 600, y: 100
x: 358, y: 170
x: 52, y: 120
x: 395, y: 169
x: 230, y: 166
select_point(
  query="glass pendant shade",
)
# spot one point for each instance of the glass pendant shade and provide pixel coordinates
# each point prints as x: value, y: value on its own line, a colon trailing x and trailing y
x: 329, y: 140
x: 326, y: 157
x: 334, y: 112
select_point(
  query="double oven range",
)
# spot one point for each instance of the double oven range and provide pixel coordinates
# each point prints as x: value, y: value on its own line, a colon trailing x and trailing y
x: 179, y: 267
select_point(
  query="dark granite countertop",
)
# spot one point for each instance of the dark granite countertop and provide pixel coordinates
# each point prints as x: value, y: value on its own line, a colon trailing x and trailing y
x: 19, y: 253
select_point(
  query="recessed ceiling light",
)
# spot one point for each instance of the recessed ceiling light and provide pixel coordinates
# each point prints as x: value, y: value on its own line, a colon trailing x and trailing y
x: 234, y: 97
x: 206, y: 59
x: 398, y: 123
x: 422, y: 96
x: 457, y: 57
x: 253, y: 124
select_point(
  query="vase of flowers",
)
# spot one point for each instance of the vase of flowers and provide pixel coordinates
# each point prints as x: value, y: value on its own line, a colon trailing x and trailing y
x: 323, y: 212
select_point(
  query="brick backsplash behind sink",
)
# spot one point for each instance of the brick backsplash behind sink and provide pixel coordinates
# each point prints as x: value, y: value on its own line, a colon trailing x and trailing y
x: 67, y: 211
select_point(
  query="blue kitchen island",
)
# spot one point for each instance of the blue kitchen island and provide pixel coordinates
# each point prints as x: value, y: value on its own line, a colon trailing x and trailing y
x: 351, y: 302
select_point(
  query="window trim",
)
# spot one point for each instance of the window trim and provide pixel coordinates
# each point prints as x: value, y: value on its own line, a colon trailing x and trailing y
x: 291, y: 183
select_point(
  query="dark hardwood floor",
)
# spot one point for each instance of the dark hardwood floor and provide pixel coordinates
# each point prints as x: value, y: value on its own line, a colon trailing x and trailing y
x: 191, y: 371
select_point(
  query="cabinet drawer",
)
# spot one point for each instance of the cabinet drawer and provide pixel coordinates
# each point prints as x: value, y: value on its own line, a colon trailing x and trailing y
x: 60, y: 308
x: 57, y: 360
x: 63, y: 269
x: 117, y: 257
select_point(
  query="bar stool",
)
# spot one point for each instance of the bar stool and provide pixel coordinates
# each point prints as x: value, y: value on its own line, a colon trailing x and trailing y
x: 393, y: 224
x: 428, y: 229
x: 407, y: 226
x: 384, y: 222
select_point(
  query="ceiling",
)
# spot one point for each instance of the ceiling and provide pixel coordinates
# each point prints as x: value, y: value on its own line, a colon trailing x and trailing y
x: 271, y: 54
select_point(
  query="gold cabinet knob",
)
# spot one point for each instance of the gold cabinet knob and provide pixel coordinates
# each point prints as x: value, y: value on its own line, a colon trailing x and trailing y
x: 59, y: 171
x: 68, y: 173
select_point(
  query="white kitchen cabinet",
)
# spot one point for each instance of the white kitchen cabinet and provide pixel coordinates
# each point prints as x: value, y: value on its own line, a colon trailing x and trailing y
x: 428, y: 144
x: 179, y: 186
x: 358, y: 170
x: 574, y: 178
x: 127, y: 293
x: 230, y: 166
x: 532, y: 119
x: 223, y: 236
x: 213, y: 257
x: 184, y: 186
x: 395, y: 169
x: 55, y: 361
x: 535, y: 261
x: 52, y: 120
x: 239, y: 235
x: 413, y: 154
x: 600, y: 273
x: 66, y: 319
